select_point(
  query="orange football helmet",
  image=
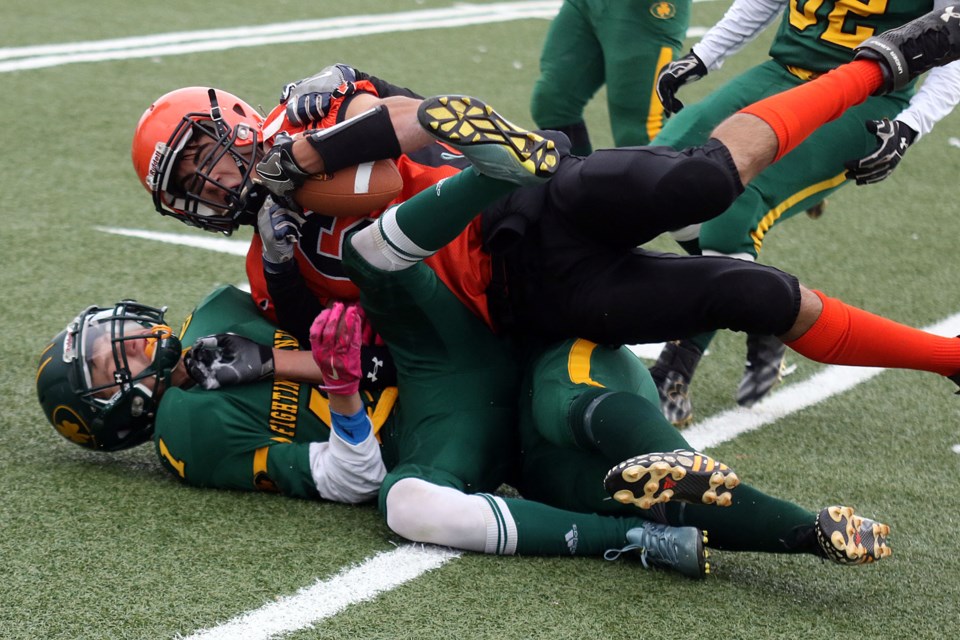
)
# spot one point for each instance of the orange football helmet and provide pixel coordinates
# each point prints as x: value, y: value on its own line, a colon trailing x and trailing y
x: 164, y: 131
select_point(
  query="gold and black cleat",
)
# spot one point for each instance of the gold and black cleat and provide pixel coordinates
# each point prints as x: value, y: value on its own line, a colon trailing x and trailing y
x: 847, y: 538
x: 685, y: 476
x: 496, y: 147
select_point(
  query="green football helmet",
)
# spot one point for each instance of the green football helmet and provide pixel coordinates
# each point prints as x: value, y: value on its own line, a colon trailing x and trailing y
x: 84, y: 381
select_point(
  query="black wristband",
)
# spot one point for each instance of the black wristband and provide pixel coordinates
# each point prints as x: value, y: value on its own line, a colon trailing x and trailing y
x: 364, y: 138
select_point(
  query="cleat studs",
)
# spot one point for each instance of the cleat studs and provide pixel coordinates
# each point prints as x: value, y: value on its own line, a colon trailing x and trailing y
x: 709, y: 497
x: 724, y: 500
x: 624, y: 496
x: 732, y: 481
x: 632, y: 474
x: 651, y: 487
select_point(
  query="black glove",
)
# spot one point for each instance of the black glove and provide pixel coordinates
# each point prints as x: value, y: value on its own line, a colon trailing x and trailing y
x: 279, y: 173
x: 676, y: 74
x: 279, y: 230
x: 226, y: 359
x: 893, y: 137
x: 308, y: 100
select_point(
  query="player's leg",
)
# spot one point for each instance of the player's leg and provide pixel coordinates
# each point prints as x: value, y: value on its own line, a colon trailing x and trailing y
x: 600, y: 401
x: 673, y: 373
x: 638, y: 40
x: 571, y: 72
x: 758, y: 522
x: 427, y: 510
x: 898, y: 56
x: 831, y: 331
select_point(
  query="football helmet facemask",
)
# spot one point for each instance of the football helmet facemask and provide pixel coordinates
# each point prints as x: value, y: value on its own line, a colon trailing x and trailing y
x: 163, y: 133
x: 84, y: 381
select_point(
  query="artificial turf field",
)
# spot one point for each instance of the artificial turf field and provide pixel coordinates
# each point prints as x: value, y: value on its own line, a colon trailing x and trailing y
x: 98, y: 546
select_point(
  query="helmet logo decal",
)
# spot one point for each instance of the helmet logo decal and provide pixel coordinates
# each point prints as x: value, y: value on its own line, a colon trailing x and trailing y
x: 159, y: 152
x: 71, y: 426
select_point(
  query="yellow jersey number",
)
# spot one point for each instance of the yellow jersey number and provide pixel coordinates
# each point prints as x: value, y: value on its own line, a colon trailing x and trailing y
x: 804, y: 14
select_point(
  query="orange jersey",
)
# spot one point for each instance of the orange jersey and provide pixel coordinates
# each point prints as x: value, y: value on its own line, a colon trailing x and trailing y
x: 462, y: 265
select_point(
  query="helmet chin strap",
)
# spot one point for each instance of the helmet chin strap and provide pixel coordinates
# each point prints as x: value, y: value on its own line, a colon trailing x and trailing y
x: 164, y: 350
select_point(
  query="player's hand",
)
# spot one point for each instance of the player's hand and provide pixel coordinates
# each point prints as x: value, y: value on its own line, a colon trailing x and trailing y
x: 335, y: 339
x: 227, y: 359
x: 279, y: 230
x: 308, y: 100
x: 893, y: 137
x: 676, y: 74
x: 279, y: 173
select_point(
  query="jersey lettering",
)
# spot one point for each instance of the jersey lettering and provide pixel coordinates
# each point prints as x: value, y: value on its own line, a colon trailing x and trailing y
x: 322, y: 241
x: 847, y: 24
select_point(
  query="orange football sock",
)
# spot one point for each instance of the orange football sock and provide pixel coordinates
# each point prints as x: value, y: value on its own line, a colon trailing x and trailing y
x: 796, y: 113
x: 848, y: 335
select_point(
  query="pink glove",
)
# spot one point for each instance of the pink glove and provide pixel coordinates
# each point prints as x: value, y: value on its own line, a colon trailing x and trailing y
x: 335, y: 343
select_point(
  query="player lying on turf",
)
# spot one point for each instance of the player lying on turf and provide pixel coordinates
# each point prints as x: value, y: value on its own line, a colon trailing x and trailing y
x: 113, y: 379
x: 562, y: 259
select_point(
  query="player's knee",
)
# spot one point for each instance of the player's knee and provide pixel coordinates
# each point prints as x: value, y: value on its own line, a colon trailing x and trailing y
x: 755, y: 298
x: 408, y: 500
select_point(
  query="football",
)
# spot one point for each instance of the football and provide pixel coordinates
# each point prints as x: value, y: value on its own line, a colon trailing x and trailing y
x: 352, y: 191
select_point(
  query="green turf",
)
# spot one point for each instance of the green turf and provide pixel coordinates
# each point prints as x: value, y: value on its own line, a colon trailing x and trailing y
x: 96, y: 546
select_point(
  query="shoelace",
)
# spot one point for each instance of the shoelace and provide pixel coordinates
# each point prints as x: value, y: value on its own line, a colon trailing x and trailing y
x: 666, y: 551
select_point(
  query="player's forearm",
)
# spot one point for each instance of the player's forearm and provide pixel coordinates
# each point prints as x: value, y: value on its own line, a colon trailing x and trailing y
x: 936, y: 98
x: 299, y: 366
x: 403, y: 116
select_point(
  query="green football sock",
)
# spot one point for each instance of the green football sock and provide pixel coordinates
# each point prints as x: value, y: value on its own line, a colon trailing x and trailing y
x: 754, y: 522
x: 546, y: 531
x: 438, y: 214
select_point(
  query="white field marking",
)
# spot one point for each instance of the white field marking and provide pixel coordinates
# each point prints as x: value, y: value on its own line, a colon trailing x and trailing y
x: 184, y: 42
x: 213, y: 243
x: 326, y: 598
x: 460, y: 15
x: 956, y: 448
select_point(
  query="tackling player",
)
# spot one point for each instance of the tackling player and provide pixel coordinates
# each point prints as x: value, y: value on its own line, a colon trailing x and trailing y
x: 578, y: 272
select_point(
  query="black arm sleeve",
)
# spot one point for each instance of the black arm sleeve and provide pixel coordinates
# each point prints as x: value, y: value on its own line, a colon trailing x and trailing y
x: 296, y: 307
x: 294, y: 304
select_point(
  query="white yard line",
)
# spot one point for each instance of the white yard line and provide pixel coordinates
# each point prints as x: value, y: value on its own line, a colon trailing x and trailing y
x: 326, y: 598
x: 180, y: 43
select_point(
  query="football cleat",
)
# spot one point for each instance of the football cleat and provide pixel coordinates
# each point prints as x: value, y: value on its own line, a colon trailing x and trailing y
x: 847, y: 538
x: 932, y: 40
x: 496, y: 147
x: 766, y: 366
x: 660, y: 545
x: 685, y: 476
x: 816, y: 211
x: 672, y: 373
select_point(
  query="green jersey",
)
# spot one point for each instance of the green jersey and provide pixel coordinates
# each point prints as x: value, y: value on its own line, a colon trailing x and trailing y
x: 818, y: 35
x: 260, y: 436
